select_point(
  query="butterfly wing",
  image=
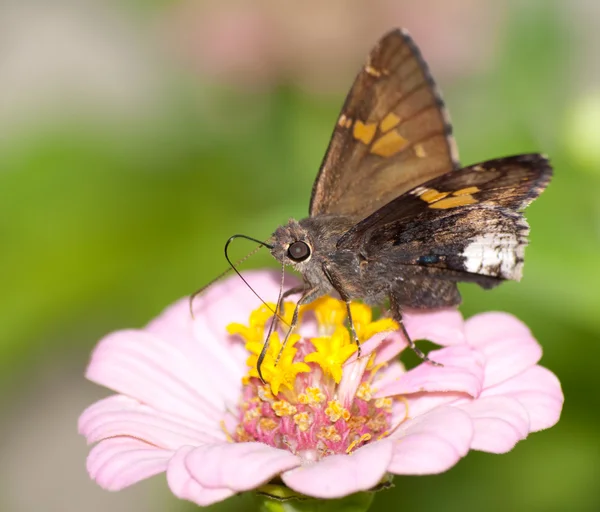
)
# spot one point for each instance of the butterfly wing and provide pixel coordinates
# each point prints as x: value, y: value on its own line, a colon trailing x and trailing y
x: 393, y: 133
x: 466, y: 225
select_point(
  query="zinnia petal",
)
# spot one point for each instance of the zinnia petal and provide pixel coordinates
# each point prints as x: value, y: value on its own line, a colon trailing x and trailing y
x: 340, y: 475
x: 154, y: 372
x: 442, y: 326
x: 184, y: 486
x: 238, y: 466
x: 500, y: 423
x: 122, y: 416
x: 120, y: 462
x: 431, y: 443
x: 508, y: 346
x: 539, y: 391
x: 494, y: 325
x: 462, y: 371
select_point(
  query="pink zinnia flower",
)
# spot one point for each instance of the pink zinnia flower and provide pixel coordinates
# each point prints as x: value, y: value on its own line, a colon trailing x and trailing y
x: 327, y: 424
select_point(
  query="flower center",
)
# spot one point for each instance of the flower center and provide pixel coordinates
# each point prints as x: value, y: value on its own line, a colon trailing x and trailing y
x: 305, y: 404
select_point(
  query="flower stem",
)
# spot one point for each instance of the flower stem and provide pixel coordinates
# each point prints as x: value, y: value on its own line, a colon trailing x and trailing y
x: 358, y: 502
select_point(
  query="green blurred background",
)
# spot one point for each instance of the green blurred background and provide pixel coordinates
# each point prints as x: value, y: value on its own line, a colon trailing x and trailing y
x: 135, y: 137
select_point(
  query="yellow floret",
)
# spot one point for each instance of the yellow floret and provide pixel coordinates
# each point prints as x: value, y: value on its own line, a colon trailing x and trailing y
x: 332, y: 352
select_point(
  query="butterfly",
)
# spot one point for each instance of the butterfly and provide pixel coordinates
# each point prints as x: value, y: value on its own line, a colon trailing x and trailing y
x: 393, y: 216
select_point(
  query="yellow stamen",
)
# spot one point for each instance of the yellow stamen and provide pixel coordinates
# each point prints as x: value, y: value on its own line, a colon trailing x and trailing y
x: 264, y: 394
x: 406, y: 407
x: 374, y: 371
x: 406, y: 414
x: 251, y: 414
x: 313, y: 396
x: 330, y: 434
x: 371, y: 361
x: 383, y: 435
x: 335, y: 411
x: 303, y: 421
x: 364, y: 392
x: 356, y: 442
x: 384, y: 403
x: 267, y: 424
x: 284, y: 408
x: 227, y: 434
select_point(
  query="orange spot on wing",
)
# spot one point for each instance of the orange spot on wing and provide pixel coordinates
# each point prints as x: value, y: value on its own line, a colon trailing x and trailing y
x: 364, y: 132
x: 419, y: 151
x: 431, y: 195
x: 466, y: 191
x: 390, y: 121
x: 388, y: 144
x: 453, y: 202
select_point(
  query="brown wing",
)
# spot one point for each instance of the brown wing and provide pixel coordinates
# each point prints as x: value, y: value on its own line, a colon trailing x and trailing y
x: 392, y: 135
x: 467, y: 221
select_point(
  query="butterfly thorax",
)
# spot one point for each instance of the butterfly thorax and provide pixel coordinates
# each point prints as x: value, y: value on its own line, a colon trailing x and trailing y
x: 325, y: 261
x: 320, y: 234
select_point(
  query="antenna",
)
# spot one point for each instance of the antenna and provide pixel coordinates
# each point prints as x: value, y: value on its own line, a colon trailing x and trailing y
x: 233, y: 267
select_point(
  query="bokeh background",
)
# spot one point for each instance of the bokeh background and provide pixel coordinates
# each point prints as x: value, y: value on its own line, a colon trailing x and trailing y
x: 136, y: 136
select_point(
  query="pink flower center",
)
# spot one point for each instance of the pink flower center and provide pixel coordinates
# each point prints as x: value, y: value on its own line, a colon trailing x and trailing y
x: 305, y: 406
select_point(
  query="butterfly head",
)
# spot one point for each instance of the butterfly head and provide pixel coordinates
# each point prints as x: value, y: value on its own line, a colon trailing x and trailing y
x: 292, y: 245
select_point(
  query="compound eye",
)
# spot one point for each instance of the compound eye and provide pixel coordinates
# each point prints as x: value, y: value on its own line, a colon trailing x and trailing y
x: 298, y: 251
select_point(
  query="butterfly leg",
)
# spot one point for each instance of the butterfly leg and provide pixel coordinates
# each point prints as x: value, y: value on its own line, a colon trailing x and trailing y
x: 307, y: 296
x: 274, y: 325
x: 352, y: 329
x: 284, y: 296
x: 397, y: 315
x: 337, y: 284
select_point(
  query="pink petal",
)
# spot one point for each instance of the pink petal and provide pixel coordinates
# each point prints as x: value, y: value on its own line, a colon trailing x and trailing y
x: 539, y: 391
x: 500, y: 423
x: 238, y: 466
x: 201, y: 342
x: 462, y: 372
x: 421, y: 403
x: 431, y: 443
x: 373, y: 343
x: 485, y: 327
x: 138, y: 364
x: 351, y: 379
x: 339, y: 475
x: 185, y: 487
x: 393, y: 371
x: 507, y: 357
x: 123, y: 416
x: 121, y: 461
x: 390, y: 347
x: 354, y: 367
x: 444, y: 326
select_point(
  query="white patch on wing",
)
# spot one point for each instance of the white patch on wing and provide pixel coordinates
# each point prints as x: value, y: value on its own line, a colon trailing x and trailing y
x: 496, y: 254
x: 418, y: 191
